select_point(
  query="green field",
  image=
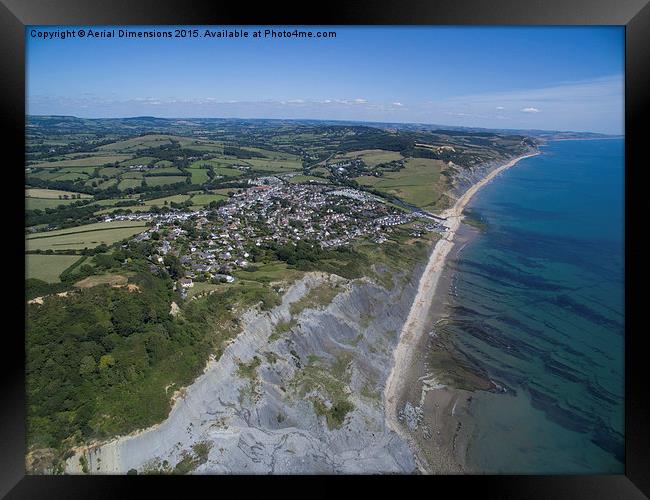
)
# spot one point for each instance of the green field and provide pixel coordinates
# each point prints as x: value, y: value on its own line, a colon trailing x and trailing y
x: 107, y: 183
x: 70, y: 176
x: 205, y: 147
x: 221, y: 166
x: 276, y: 155
x: 140, y: 160
x: 306, y: 179
x: 156, y: 140
x: 164, y: 180
x: 372, y: 157
x: 46, y: 176
x: 320, y: 170
x: 228, y: 172
x: 137, y: 143
x: 110, y: 171
x: 97, y: 226
x: 199, y: 175
x: 40, y: 199
x: 204, y: 199
x: 214, y: 162
x: 418, y: 183
x: 201, y: 287
x: 51, y: 193
x: 48, y: 267
x: 226, y: 191
x: 268, y: 165
x: 134, y: 208
x: 76, y: 170
x: 165, y: 170
x: 132, y: 175
x: 110, y: 201
x: 89, y: 235
x: 177, y: 198
x: 200, y: 144
x: 43, y: 203
x: 129, y: 183
x: 266, y: 273
x: 281, y: 163
x: 83, y: 162
x: 159, y: 202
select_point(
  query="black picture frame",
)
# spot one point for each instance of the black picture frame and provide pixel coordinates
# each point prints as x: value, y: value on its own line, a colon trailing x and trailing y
x: 633, y: 14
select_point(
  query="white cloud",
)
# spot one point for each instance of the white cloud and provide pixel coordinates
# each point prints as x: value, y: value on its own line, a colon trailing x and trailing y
x: 594, y: 105
x: 589, y: 105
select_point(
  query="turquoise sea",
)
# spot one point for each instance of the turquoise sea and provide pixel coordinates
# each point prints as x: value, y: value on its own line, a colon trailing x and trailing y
x: 537, y: 303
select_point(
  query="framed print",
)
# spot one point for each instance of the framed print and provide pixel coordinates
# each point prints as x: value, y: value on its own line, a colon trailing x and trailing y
x: 391, y: 242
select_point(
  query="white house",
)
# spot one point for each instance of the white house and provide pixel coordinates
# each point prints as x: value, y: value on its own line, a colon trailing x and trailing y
x: 186, y: 282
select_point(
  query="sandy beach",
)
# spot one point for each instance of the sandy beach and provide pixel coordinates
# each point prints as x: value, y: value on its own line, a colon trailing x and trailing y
x: 411, y: 337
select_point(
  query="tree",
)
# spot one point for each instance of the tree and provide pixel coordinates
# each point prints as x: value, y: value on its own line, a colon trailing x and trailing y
x: 173, y: 265
x: 106, y: 361
x: 87, y: 366
x: 105, y: 261
x: 128, y: 315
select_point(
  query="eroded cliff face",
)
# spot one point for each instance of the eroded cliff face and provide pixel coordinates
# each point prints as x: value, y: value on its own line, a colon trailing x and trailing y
x: 463, y: 178
x: 299, y: 390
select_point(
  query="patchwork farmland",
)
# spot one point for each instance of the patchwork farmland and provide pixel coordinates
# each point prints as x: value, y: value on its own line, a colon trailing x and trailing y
x: 86, y: 236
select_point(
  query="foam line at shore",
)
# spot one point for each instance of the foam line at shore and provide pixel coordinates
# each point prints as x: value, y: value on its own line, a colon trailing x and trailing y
x: 414, y: 327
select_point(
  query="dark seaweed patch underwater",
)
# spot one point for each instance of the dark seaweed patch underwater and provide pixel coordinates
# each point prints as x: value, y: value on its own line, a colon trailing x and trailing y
x: 538, y: 306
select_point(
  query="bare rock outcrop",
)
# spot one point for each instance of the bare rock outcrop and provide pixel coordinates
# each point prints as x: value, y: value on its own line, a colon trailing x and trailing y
x: 299, y: 390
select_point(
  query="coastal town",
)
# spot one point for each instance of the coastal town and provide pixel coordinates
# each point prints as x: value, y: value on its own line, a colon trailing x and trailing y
x: 210, y: 244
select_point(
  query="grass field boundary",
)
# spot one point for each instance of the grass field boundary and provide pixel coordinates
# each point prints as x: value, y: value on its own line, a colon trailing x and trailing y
x: 68, y: 270
x: 80, y: 232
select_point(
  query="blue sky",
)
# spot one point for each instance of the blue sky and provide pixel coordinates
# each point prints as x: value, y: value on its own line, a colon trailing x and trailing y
x: 562, y: 78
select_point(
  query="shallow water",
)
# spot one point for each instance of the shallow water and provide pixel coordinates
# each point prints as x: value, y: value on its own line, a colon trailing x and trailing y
x: 537, y: 303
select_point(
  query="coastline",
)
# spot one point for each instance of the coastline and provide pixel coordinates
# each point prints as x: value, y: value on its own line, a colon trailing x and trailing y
x: 444, y: 456
x: 112, y: 456
x: 585, y: 138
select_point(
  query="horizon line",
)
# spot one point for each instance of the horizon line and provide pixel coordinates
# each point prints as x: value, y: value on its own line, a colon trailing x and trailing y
x: 330, y: 120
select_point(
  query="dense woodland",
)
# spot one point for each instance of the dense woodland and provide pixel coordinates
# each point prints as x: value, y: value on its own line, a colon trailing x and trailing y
x: 106, y: 360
